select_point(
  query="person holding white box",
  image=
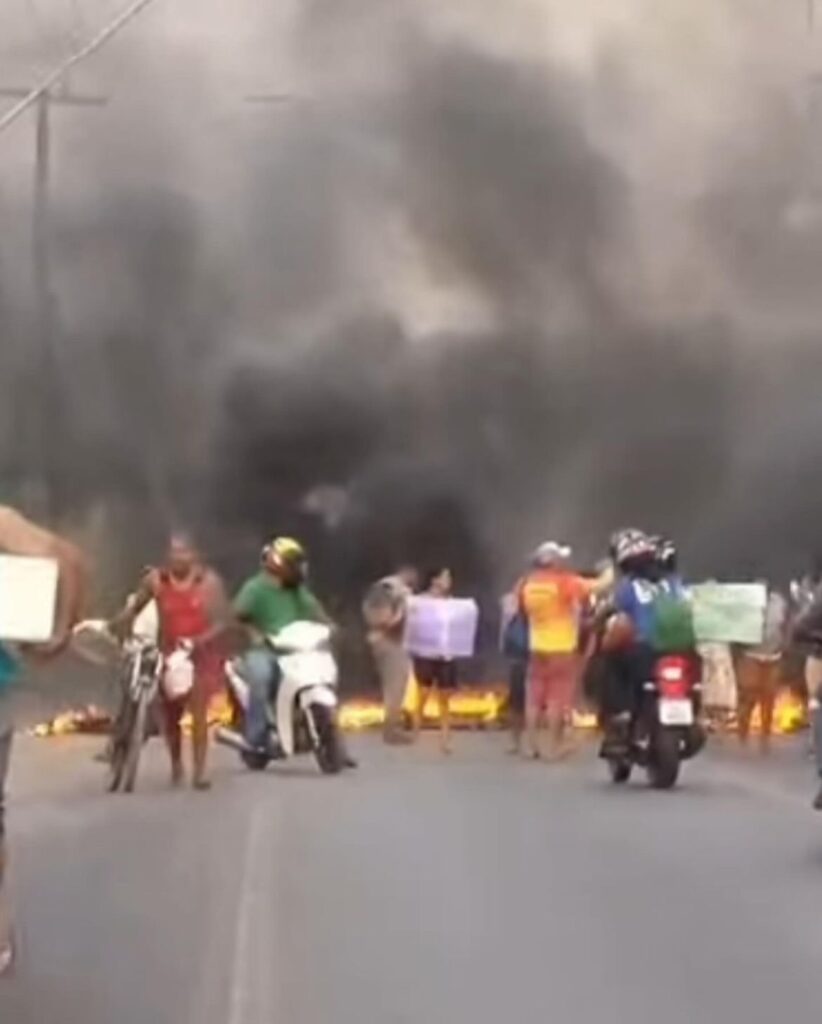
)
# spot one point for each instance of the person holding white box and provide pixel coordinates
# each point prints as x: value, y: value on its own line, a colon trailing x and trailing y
x: 43, y: 583
x: 440, y: 629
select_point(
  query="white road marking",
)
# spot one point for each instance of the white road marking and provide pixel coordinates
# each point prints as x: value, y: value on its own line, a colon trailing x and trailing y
x: 243, y: 975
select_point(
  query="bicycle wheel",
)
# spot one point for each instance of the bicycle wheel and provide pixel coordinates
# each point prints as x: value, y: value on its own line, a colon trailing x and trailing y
x: 119, y: 744
x: 136, y: 739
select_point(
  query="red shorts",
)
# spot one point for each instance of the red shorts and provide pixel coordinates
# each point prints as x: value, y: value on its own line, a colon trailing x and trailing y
x: 552, y: 680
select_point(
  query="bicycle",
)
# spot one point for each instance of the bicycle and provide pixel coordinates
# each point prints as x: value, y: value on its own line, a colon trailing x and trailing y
x: 142, y: 671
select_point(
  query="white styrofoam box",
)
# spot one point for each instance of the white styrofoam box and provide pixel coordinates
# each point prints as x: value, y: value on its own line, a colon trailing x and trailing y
x: 28, y: 598
x: 441, y: 627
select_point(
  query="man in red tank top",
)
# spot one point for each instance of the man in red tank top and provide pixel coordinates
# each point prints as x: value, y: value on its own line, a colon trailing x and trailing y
x: 190, y: 599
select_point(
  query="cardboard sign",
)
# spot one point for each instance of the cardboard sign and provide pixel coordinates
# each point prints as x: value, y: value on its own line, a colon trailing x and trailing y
x: 729, y: 613
x: 441, y: 627
x: 28, y: 598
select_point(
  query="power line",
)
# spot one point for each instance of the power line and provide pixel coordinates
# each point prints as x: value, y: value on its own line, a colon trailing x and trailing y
x: 54, y: 76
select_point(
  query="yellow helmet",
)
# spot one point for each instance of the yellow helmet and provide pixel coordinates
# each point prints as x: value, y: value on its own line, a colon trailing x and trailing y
x: 286, y: 553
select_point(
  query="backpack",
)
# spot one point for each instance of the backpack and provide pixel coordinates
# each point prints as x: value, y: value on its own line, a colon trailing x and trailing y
x: 515, y: 638
x: 672, y: 631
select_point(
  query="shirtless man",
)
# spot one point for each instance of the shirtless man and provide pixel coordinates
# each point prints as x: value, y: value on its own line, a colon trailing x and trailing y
x: 18, y: 536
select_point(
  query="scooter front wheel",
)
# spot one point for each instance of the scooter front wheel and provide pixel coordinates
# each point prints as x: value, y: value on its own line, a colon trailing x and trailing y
x: 327, y: 746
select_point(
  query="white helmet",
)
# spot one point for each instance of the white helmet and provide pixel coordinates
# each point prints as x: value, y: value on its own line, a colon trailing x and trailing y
x: 550, y: 553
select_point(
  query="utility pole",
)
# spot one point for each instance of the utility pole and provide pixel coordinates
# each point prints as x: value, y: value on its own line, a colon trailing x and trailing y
x: 46, y: 428
x: 50, y: 90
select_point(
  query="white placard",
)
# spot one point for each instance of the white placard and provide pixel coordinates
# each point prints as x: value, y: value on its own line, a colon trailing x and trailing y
x: 441, y: 627
x: 732, y: 613
x: 28, y: 598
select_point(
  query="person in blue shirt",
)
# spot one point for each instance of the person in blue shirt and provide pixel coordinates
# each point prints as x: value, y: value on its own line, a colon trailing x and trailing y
x: 670, y: 577
x: 638, y: 585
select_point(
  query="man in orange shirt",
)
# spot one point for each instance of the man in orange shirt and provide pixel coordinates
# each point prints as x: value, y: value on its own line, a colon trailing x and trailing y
x: 552, y: 597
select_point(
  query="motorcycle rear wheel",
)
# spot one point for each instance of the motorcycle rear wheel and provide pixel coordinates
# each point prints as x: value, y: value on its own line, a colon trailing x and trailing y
x: 663, y: 762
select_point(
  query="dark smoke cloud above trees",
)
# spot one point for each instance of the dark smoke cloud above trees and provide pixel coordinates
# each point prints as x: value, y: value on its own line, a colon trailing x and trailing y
x: 464, y: 291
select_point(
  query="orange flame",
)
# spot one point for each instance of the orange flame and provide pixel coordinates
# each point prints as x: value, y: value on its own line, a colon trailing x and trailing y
x: 480, y: 706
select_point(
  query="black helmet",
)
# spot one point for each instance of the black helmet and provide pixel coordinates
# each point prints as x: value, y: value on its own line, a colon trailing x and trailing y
x: 623, y: 537
x: 667, y: 555
x: 635, y: 552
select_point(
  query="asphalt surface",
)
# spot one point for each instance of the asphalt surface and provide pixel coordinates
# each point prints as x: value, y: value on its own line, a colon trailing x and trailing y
x: 475, y: 889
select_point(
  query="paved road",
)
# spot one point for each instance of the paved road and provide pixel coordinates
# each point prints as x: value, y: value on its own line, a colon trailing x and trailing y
x: 417, y: 891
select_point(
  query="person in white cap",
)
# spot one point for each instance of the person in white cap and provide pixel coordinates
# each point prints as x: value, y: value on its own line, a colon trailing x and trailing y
x: 551, y: 597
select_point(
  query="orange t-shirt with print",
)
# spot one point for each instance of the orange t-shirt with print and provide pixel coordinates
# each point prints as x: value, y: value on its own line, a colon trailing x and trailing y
x: 552, y: 601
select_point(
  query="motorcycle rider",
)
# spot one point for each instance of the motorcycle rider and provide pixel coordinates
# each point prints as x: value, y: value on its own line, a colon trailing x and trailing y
x: 653, y: 602
x: 275, y: 597
x: 626, y: 643
x: 668, y: 563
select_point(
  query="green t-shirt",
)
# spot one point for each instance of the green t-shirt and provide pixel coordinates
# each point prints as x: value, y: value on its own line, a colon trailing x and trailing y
x: 269, y: 607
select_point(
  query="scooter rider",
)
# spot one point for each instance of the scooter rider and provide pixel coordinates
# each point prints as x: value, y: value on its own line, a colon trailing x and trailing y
x: 272, y: 599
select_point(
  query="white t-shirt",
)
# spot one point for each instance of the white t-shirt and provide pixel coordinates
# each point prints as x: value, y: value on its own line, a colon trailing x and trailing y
x: 147, y: 624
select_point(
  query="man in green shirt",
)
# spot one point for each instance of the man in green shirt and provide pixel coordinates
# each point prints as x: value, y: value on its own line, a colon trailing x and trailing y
x: 267, y: 603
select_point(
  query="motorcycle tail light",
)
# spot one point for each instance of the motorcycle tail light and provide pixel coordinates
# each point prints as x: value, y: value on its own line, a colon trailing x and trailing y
x: 673, y: 677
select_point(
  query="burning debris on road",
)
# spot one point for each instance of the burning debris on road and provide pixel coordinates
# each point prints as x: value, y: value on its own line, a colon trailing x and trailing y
x: 470, y: 708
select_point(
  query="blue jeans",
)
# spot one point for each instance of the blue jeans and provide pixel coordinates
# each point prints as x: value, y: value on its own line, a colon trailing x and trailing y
x: 262, y: 673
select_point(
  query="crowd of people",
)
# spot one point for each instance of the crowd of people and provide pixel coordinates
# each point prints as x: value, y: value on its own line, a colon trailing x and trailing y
x: 554, y: 622
x: 564, y: 633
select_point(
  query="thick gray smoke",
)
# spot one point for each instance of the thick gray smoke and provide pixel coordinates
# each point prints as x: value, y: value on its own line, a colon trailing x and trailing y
x: 489, y: 275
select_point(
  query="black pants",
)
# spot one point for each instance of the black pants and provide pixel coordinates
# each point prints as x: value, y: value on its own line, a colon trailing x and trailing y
x: 623, y: 676
x: 517, y: 674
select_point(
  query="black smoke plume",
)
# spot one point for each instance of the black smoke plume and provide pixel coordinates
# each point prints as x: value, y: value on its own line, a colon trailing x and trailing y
x: 438, y: 306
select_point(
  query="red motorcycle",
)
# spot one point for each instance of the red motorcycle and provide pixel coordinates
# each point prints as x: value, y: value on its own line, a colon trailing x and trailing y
x: 665, y: 728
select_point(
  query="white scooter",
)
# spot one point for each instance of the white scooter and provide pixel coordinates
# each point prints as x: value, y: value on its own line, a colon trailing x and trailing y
x: 304, y: 718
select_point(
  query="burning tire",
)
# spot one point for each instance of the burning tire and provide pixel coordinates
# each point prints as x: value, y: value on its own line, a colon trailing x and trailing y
x: 663, y: 765
x: 327, y: 749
